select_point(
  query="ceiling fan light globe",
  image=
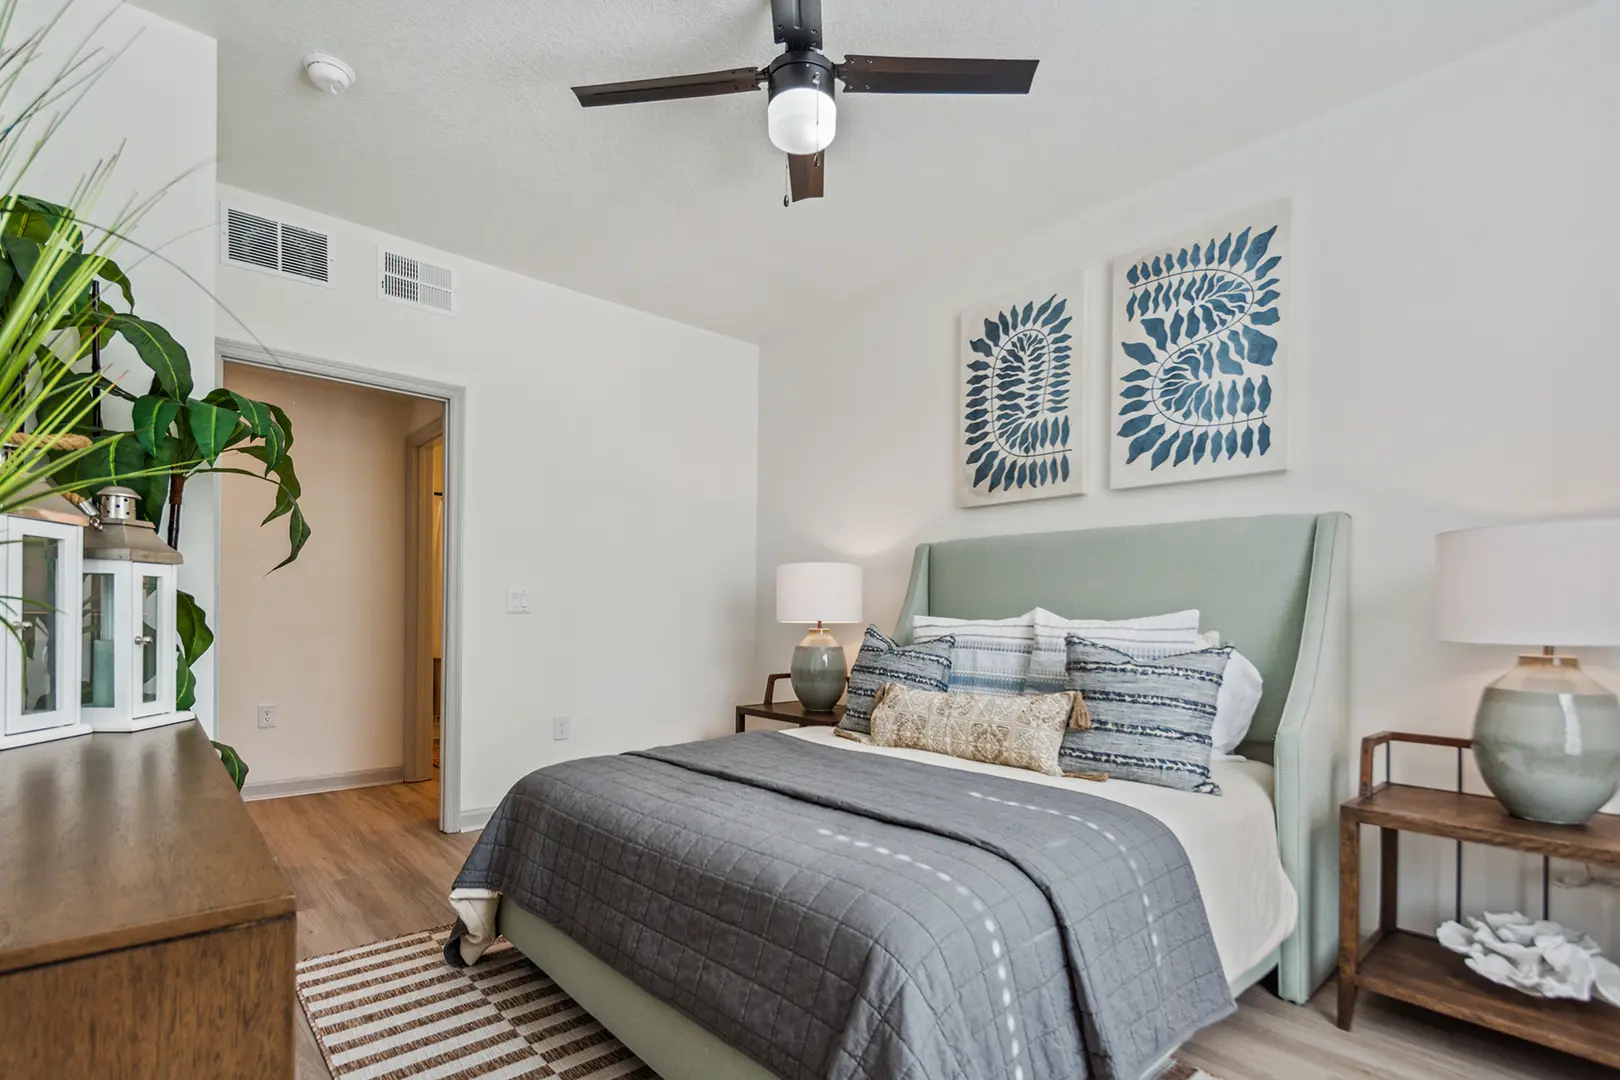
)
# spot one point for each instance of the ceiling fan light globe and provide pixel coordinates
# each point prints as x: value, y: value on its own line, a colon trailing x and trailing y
x: 801, y: 120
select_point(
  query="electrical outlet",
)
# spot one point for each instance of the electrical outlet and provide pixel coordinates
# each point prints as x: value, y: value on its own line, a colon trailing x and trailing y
x: 267, y: 716
x: 559, y: 727
x: 517, y: 601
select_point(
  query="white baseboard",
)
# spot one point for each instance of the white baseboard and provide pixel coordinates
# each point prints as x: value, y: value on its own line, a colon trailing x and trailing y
x: 475, y: 819
x: 281, y: 789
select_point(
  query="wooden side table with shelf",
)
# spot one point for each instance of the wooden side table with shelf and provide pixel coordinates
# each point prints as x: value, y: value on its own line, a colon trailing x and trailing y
x: 1417, y: 969
x: 788, y: 712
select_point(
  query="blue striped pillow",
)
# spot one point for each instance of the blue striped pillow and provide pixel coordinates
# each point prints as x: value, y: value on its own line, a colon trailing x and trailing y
x: 1151, y: 719
x: 991, y: 655
x: 1151, y: 635
x: 882, y: 661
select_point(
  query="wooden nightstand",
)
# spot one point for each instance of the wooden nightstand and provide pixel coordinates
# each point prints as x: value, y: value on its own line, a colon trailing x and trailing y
x: 1417, y: 969
x: 788, y: 712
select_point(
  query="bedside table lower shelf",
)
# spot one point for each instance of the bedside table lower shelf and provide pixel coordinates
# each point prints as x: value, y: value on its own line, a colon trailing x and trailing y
x: 1420, y: 971
x: 1417, y: 969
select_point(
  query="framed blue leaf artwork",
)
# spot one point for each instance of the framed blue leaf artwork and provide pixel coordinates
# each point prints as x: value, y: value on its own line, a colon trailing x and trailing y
x: 1201, y: 344
x: 1018, y: 434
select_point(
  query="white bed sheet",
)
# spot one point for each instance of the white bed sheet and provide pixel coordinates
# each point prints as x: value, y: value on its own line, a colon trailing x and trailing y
x: 1230, y: 839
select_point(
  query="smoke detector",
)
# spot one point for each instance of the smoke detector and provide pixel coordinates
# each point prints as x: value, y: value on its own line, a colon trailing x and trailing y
x: 328, y: 74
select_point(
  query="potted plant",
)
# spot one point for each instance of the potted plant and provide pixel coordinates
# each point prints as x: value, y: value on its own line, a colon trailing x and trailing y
x: 63, y: 299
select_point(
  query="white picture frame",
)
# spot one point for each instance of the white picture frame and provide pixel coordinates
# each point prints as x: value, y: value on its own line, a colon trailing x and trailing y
x: 1201, y: 350
x: 1021, y: 379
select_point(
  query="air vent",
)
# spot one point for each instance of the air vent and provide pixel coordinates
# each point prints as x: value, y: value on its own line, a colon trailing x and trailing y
x: 252, y: 239
x: 405, y: 279
x: 303, y: 252
x: 262, y: 243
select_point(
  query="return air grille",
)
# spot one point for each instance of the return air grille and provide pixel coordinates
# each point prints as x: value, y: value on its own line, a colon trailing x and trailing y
x: 263, y: 243
x: 303, y: 252
x: 405, y: 279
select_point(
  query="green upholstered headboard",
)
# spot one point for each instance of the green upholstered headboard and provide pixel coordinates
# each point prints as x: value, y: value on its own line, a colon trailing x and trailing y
x: 1248, y: 577
x: 1277, y: 587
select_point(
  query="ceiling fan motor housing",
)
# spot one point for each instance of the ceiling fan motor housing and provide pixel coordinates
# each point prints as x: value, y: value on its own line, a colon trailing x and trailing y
x: 802, y: 116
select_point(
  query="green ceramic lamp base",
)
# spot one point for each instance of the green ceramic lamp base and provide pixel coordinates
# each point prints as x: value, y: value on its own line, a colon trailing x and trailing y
x: 818, y: 670
x: 1547, y: 741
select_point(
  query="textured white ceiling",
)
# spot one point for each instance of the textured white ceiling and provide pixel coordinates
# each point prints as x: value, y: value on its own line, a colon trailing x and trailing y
x: 461, y: 132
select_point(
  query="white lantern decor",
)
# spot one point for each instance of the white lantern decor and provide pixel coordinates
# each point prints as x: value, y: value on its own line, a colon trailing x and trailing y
x: 40, y: 585
x: 129, y: 648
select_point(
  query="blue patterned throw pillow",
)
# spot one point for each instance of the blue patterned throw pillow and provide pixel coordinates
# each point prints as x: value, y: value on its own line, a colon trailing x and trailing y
x: 1151, y: 719
x: 882, y: 661
x: 991, y: 655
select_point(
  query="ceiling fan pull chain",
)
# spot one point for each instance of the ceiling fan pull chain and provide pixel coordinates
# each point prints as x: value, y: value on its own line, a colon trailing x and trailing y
x: 815, y: 161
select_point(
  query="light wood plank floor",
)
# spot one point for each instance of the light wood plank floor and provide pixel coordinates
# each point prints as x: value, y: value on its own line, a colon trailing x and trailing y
x: 371, y: 864
x: 366, y: 865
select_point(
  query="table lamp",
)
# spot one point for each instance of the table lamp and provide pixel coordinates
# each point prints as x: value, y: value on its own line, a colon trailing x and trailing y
x: 1546, y: 736
x: 819, y: 593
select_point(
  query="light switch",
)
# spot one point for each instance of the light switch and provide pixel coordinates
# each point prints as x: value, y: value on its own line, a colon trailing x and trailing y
x: 517, y: 601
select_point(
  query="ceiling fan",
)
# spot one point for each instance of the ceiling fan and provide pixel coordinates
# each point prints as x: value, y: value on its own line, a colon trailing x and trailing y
x: 802, y: 115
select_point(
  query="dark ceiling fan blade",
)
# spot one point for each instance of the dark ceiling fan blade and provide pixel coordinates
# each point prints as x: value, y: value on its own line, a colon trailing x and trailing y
x: 798, y: 23
x: 735, y: 81
x: 935, y: 75
x: 807, y: 175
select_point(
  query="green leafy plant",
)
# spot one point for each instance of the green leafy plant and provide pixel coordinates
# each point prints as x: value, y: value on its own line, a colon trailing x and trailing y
x: 56, y: 317
x: 174, y: 437
x: 48, y: 271
x: 45, y: 274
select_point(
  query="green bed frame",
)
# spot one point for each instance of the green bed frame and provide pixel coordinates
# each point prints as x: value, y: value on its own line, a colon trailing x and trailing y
x: 1277, y: 587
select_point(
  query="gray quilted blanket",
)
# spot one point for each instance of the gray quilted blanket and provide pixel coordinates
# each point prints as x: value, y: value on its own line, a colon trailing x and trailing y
x: 841, y: 915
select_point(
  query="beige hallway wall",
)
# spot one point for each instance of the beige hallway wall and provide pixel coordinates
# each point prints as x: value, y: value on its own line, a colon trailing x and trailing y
x: 322, y: 639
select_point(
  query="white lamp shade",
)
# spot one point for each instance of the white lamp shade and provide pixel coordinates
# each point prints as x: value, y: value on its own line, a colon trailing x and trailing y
x: 810, y: 592
x: 1553, y: 583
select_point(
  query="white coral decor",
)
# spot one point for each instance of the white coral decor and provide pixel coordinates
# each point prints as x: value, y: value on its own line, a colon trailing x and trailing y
x: 1540, y: 958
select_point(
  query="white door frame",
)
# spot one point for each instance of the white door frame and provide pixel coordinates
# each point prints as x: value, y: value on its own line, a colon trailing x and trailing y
x: 454, y: 398
x: 418, y: 610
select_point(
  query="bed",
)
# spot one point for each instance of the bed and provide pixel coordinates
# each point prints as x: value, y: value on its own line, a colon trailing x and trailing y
x: 1276, y: 586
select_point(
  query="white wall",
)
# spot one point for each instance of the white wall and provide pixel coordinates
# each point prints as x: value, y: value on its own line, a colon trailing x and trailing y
x: 157, y: 102
x: 323, y: 638
x: 1455, y: 271
x: 609, y: 467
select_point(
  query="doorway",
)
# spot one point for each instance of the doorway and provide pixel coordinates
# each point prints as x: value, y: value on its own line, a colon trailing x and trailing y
x: 359, y: 634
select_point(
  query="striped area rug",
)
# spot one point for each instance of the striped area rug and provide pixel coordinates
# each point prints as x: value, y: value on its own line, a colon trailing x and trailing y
x: 395, y: 1009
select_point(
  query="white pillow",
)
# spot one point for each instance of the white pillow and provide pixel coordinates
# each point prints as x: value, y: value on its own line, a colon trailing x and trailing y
x: 1147, y: 637
x: 991, y: 656
x: 1235, y: 704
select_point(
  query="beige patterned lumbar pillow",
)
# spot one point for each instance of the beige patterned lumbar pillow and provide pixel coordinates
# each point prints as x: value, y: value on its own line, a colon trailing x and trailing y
x: 1023, y: 732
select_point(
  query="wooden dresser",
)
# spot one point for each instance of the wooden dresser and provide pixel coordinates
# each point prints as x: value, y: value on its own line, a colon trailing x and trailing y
x: 145, y: 929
